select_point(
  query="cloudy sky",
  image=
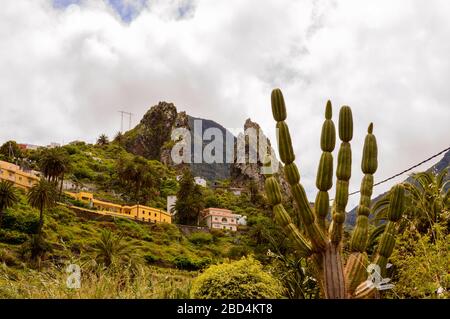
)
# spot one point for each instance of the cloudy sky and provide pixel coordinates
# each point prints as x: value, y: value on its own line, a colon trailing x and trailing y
x: 68, y: 66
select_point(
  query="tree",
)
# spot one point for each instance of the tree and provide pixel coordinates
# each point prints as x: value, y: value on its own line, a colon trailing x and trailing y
x: 137, y: 176
x: 190, y: 201
x: 8, y: 197
x: 54, y: 163
x: 10, y: 151
x: 103, y: 140
x: 42, y: 196
x: 119, y: 138
x: 110, y: 249
x: 427, y: 201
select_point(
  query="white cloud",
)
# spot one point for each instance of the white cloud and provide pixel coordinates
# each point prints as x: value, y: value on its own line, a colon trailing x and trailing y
x: 66, y: 73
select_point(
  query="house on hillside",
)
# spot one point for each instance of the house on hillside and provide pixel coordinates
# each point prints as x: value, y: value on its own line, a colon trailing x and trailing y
x: 136, y: 212
x: 19, y: 176
x: 219, y: 218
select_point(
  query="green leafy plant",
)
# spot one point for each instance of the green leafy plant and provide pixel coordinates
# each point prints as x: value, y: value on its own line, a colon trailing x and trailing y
x: 242, y: 279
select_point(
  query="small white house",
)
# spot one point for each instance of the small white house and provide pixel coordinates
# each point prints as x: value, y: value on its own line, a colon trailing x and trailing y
x: 241, y: 220
x: 200, y: 181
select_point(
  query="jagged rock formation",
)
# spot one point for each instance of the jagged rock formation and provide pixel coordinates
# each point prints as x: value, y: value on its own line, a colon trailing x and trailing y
x: 151, y: 138
x: 150, y: 135
x: 245, y: 169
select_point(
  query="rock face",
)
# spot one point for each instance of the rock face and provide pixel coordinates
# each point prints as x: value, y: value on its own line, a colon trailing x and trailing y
x: 245, y: 170
x: 151, y: 138
x: 150, y: 135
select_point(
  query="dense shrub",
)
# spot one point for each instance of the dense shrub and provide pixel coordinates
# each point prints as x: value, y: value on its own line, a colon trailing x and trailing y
x: 24, y: 222
x: 237, y: 252
x: 12, y: 237
x: 150, y: 258
x: 201, y: 238
x: 186, y: 263
x: 243, y: 279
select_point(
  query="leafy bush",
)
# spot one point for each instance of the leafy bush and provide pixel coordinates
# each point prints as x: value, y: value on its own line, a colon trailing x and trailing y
x: 24, y: 222
x: 421, y: 267
x: 201, y: 238
x: 149, y: 258
x: 186, y: 263
x: 237, y: 252
x: 12, y: 237
x: 243, y: 279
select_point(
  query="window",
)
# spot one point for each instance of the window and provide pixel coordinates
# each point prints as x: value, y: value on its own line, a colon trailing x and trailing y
x: 143, y: 219
x: 215, y: 218
x: 156, y: 214
x: 224, y: 220
x: 143, y: 212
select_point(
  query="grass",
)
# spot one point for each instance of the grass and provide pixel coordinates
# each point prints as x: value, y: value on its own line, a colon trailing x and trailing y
x: 163, y: 262
x: 96, y: 283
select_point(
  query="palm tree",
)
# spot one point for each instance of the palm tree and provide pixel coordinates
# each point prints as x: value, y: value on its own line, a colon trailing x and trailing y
x: 42, y: 196
x: 110, y: 249
x: 427, y: 201
x: 102, y: 140
x: 137, y: 175
x: 8, y: 197
x: 54, y: 164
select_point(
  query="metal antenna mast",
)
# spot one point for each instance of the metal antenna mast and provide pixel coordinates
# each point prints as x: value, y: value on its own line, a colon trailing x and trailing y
x: 129, y: 119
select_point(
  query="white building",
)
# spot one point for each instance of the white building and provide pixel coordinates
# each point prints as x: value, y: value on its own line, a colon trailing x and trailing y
x: 241, y: 220
x: 171, y: 201
x: 219, y: 218
x: 200, y: 181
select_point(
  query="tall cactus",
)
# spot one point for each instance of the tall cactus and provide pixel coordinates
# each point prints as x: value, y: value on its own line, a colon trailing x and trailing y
x: 355, y: 269
x: 324, y: 180
x: 324, y: 245
x: 343, y: 173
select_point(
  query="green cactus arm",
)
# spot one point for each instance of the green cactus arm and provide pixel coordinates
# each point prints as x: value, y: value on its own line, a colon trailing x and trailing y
x: 387, y: 240
x: 343, y: 174
x: 324, y: 179
x: 287, y: 156
x: 273, y: 193
x: 355, y: 272
x: 375, y: 234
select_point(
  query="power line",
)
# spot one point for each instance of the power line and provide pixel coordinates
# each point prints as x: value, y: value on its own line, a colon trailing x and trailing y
x: 404, y: 171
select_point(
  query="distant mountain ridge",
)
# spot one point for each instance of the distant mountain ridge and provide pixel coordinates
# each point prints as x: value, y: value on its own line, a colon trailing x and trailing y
x: 436, y: 168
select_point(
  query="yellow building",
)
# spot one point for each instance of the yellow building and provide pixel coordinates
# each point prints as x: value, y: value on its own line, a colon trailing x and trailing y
x: 19, y: 177
x: 137, y: 212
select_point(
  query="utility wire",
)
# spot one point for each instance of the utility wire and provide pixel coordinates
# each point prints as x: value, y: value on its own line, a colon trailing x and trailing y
x: 404, y: 171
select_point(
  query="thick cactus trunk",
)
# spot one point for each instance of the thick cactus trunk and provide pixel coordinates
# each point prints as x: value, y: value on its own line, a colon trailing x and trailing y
x: 334, y: 281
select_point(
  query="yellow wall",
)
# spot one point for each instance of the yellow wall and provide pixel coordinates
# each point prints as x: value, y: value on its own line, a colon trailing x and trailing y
x: 138, y: 212
x: 14, y: 174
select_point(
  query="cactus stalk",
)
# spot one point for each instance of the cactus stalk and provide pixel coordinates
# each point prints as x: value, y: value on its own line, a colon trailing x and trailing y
x: 355, y: 269
x: 324, y: 180
x: 343, y: 174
